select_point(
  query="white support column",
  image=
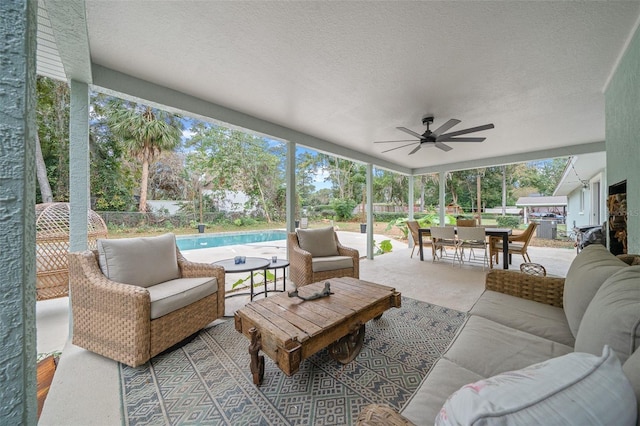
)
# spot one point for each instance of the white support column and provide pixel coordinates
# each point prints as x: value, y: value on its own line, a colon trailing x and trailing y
x: 79, y: 188
x: 291, y: 185
x: 411, y: 204
x: 441, y: 180
x: 369, y: 184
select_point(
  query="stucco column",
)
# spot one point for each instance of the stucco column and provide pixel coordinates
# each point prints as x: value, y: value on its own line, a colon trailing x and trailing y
x: 369, y: 184
x: 290, y: 173
x: 79, y: 188
x: 18, y: 404
x: 410, y: 203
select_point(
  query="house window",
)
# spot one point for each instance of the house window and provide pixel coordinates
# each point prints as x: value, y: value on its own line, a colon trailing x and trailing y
x: 582, y: 200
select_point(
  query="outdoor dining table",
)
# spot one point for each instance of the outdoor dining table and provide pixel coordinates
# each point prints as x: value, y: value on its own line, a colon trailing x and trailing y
x: 493, y: 232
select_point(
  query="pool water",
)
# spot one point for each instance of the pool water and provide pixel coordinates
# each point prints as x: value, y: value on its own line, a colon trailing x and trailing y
x: 228, y: 239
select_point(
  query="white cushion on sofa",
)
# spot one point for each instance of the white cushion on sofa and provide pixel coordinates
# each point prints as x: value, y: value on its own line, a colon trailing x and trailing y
x: 488, y: 348
x: 586, y: 274
x: 141, y: 261
x: 525, y: 315
x: 172, y: 295
x: 613, y: 316
x: 319, y: 242
x: 631, y: 368
x: 574, y: 389
x: 443, y: 379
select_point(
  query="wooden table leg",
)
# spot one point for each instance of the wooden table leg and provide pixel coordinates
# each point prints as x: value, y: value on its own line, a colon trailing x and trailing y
x: 257, y: 361
x: 347, y: 348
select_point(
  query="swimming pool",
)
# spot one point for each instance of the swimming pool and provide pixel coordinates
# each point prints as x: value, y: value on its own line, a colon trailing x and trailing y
x: 228, y: 239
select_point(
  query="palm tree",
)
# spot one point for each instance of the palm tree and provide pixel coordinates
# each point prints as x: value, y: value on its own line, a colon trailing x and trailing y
x: 145, y: 132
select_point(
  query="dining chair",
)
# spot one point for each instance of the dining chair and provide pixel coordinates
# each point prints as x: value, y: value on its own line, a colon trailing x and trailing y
x: 517, y: 244
x: 442, y: 237
x: 414, y: 229
x: 472, y: 237
x: 466, y: 222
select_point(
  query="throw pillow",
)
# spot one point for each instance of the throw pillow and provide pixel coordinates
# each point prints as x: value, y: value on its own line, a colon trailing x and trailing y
x: 319, y: 242
x: 585, y: 276
x: 613, y: 316
x: 142, y: 261
x: 574, y: 389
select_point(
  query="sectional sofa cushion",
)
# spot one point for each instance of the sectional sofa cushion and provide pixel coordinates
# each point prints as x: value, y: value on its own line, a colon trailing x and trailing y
x: 172, y: 295
x: 141, y: 261
x: 575, y: 389
x: 631, y: 369
x: 488, y: 348
x: 587, y: 272
x: 331, y: 263
x: 444, y: 378
x: 613, y: 316
x: 532, y: 317
x: 319, y: 242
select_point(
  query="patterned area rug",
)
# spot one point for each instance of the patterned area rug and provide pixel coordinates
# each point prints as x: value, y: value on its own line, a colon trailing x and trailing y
x: 207, y: 380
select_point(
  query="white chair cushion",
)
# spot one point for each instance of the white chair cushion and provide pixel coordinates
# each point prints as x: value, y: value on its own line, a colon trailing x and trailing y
x: 172, y: 295
x: 143, y: 261
x: 574, y: 389
x: 613, y: 316
x: 586, y: 274
x: 319, y: 242
x: 331, y: 263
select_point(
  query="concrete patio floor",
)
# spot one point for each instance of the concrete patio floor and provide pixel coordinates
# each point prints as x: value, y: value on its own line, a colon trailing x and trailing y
x: 86, y: 386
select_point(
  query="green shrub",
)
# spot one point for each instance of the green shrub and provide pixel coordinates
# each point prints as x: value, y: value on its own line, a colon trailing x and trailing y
x: 508, y: 221
x: 343, y: 208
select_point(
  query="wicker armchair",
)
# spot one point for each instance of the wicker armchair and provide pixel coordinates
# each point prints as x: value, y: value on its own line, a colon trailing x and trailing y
x: 414, y: 228
x: 115, y: 319
x: 306, y: 268
x: 517, y: 244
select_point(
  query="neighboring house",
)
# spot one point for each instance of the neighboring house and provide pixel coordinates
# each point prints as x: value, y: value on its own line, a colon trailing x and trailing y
x: 171, y: 207
x: 584, y: 184
x: 540, y: 207
x: 234, y: 202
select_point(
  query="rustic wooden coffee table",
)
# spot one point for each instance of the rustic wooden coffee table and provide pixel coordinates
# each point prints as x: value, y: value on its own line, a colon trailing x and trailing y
x: 289, y: 329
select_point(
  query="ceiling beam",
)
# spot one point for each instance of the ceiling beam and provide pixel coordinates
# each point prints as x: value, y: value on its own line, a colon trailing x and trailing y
x: 69, y: 23
x: 123, y: 85
x: 522, y: 157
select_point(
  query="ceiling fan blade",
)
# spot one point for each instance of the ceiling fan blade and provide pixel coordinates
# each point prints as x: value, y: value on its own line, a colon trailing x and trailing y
x: 406, y: 140
x: 411, y: 132
x: 443, y: 147
x: 415, y: 149
x: 465, y: 131
x: 446, y: 126
x: 398, y: 147
x: 461, y: 139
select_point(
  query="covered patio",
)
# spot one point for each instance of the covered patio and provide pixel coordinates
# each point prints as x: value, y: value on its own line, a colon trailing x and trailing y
x: 80, y: 371
x: 556, y: 79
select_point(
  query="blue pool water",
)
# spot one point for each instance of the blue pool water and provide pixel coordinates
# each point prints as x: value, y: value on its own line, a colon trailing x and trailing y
x: 219, y: 240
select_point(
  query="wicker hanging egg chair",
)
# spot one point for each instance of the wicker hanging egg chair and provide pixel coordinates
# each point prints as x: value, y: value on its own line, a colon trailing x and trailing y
x: 52, y: 246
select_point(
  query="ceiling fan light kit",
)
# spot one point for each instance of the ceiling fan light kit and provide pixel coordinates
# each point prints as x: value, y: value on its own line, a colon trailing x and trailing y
x: 437, y: 137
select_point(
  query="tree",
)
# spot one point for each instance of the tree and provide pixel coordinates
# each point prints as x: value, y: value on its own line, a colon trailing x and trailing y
x: 238, y: 161
x: 145, y: 132
x: 52, y: 160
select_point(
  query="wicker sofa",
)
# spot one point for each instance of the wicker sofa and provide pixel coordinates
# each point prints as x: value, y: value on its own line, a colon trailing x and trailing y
x: 525, y: 326
x: 133, y: 298
x: 316, y: 255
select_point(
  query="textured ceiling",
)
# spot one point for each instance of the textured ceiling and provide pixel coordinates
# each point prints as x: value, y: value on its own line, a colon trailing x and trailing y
x: 351, y: 72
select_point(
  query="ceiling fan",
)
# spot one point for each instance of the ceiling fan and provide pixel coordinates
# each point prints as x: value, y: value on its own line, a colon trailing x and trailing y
x: 437, y: 137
